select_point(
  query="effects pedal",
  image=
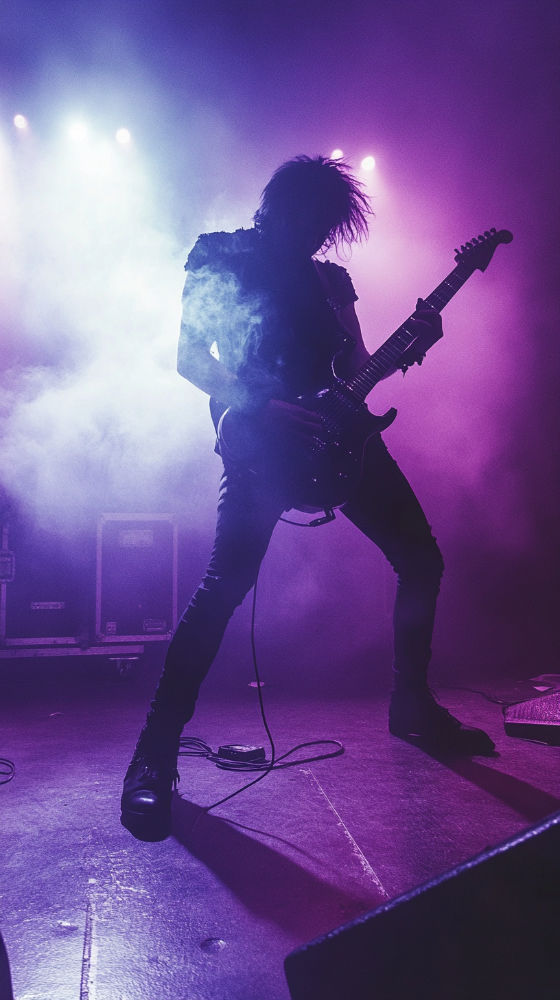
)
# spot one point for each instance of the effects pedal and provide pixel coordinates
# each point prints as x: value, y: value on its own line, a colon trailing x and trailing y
x: 238, y: 752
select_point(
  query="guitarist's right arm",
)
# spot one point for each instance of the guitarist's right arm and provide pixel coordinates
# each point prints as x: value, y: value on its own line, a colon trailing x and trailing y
x: 198, y: 365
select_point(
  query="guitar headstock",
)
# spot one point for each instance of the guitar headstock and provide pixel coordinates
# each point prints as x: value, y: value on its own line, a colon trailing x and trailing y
x: 478, y: 252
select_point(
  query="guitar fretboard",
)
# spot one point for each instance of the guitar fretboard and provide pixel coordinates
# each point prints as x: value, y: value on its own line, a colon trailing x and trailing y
x: 391, y: 354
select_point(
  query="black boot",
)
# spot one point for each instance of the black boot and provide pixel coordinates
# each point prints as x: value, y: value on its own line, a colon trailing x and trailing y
x: 415, y: 716
x: 148, y: 785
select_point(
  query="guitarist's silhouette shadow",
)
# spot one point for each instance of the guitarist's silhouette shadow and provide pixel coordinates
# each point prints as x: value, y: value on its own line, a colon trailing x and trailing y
x: 267, y: 882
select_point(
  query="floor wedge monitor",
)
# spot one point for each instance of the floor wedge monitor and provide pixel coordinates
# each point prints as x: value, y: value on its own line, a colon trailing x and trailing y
x: 487, y: 929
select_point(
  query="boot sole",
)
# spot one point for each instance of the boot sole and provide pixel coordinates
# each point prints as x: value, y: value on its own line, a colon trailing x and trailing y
x: 447, y: 746
x: 146, y: 828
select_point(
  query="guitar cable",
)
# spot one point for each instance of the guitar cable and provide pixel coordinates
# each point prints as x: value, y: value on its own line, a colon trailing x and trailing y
x: 327, y: 517
x: 7, y: 770
x: 194, y: 747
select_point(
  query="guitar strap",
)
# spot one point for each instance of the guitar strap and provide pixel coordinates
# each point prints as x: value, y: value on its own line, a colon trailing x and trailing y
x: 325, y: 284
x: 331, y: 300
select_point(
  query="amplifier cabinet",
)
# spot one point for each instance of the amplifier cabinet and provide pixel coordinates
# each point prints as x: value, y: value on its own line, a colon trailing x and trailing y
x: 136, y: 577
x: 46, y: 586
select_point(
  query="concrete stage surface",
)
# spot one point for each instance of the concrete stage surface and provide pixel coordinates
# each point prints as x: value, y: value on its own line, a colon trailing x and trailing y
x: 89, y: 913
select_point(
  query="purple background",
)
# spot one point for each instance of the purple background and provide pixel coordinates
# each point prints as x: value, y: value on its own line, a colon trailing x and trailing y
x: 458, y: 103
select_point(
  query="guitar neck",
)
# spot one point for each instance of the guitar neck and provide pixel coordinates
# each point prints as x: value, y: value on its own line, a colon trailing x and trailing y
x: 391, y: 354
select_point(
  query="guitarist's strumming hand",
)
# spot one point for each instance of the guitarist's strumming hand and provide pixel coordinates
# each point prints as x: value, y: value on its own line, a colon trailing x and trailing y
x: 290, y: 421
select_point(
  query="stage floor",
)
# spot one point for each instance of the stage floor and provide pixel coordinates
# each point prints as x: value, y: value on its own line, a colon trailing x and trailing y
x: 89, y: 913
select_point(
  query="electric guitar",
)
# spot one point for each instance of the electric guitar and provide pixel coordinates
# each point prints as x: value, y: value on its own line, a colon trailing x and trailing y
x: 324, y: 472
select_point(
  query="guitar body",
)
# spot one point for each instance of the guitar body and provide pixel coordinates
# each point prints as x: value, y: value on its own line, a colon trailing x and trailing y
x: 318, y: 474
x: 325, y: 471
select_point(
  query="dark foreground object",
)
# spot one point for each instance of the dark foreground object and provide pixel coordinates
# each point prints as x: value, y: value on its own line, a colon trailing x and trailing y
x: 487, y: 929
x: 5, y: 977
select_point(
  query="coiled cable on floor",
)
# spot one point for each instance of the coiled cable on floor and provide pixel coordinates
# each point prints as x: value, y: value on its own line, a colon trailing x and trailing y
x: 194, y: 747
x: 7, y: 770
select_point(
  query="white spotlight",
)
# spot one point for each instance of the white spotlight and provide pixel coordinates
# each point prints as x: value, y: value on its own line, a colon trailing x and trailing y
x: 20, y: 121
x: 337, y: 154
x: 78, y: 131
x: 123, y: 136
x: 368, y: 163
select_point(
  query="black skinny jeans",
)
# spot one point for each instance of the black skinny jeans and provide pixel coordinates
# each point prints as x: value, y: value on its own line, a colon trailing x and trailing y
x: 384, y: 508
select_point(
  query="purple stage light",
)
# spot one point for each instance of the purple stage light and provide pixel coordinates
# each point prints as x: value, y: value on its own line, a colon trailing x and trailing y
x: 20, y: 122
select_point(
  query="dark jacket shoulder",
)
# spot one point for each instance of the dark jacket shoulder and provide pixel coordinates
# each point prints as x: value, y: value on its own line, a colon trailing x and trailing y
x: 213, y: 250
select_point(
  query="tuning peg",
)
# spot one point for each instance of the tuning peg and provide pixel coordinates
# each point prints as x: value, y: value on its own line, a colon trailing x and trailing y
x: 474, y: 241
x: 456, y: 250
x: 493, y: 231
x: 481, y: 237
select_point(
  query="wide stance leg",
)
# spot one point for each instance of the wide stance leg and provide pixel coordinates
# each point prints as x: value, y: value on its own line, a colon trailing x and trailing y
x: 386, y: 509
x: 247, y: 514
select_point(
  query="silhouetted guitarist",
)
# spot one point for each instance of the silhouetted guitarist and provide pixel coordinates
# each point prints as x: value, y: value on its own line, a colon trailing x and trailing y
x: 262, y: 322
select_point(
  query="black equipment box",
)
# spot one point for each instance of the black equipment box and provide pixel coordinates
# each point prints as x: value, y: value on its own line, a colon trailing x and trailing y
x: 136, y: 577
x: 46, y: 585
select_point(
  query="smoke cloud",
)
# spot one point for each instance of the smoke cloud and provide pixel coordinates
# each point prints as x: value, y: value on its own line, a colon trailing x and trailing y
x: 94, y: 238
x: 94, y: 414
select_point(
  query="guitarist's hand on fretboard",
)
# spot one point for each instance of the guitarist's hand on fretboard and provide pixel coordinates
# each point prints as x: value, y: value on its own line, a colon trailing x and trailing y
x: 428, y: 324
x: 425, y: 324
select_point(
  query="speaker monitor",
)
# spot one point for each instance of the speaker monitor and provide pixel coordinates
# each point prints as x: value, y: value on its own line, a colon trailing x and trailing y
x: 5, y: 977
x: 487, y: 930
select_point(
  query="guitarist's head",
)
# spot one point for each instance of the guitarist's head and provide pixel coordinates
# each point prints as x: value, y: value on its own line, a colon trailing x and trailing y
x: 311, y: 204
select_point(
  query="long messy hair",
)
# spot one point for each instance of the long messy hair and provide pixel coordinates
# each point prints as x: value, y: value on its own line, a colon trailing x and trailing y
x: 327, y: 187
